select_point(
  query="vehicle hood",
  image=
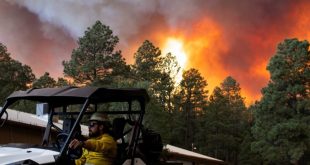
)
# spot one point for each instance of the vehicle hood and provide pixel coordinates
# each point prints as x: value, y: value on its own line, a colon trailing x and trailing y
x: 14, y: 155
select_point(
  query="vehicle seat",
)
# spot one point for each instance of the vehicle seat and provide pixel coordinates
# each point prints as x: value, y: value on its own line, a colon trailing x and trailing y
x: 118, y: 127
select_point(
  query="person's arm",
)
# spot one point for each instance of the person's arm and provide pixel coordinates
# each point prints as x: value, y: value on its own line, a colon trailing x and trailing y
x: 82, y: 159
x: 102, y: 145
x: 75, y: 144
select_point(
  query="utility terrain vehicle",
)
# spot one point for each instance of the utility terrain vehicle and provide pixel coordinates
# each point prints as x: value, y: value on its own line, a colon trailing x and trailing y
x: 73, y: 105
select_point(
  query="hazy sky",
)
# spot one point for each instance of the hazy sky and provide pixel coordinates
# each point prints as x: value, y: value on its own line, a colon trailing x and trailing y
x: 220, y: 37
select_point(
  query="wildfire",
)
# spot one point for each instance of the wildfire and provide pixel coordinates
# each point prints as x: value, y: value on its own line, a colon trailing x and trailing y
x: 217, y: 39
x: 175, y: 47
x: 202, y: 46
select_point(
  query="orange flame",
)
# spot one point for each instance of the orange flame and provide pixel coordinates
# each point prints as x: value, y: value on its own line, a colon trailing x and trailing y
x: 202, y: 47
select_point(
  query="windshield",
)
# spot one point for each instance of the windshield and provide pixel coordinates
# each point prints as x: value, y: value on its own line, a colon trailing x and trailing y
x: 37, y: 124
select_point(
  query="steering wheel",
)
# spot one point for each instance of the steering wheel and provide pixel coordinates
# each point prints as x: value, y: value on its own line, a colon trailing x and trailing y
x: 72, y: 153
x: 59, y: 139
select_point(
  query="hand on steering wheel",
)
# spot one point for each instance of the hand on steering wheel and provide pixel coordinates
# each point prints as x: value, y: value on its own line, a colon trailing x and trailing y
x: 74, y: 152
x: 75, y: 149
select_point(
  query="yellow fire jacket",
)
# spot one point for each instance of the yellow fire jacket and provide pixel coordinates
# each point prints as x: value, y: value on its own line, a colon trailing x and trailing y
x: 100, y: 150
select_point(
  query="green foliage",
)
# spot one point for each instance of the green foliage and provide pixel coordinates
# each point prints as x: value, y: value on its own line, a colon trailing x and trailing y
x: 147, y: 62
x: 247, y: 155
x: 14, y: 76
x: 225, y: 122
x: 282, y: 117
x: 158, y: 72
x: 44, y: 81
x: 94, y: 61
x: 165, y: 89
x: 193, y: 90
x: 191, y: 100
x: 165, y: 92
x: 62, y: 82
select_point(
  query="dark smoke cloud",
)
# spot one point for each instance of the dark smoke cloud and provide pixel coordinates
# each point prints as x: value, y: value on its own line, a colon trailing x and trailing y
x: 253, y: 29
x: 43, y: 33
x: 42, y: 46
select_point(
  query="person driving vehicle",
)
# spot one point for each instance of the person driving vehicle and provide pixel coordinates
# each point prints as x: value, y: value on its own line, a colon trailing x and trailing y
x: 100, y: 148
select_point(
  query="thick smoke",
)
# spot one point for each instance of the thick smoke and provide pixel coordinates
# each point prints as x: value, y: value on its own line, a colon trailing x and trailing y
x: 74, y: 16
x: 43, y: 33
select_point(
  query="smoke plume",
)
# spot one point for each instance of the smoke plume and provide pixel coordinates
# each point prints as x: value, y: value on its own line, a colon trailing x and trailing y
x: 222, y: 38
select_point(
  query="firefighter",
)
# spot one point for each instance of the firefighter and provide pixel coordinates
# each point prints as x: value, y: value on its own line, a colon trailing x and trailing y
x: 100, y: 148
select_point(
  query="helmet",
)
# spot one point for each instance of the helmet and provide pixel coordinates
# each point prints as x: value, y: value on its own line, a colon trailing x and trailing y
x: 101, y: 117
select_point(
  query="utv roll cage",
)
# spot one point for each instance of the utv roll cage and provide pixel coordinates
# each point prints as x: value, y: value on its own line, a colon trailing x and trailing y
x: 62, y: 97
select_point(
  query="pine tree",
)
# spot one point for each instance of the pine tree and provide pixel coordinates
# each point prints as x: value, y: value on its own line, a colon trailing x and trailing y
x: 191, y: 100
x: 157, y: 72
x: 62, y: 82
x: 44, y: 81
x: 14, y: 76
x: 282, y: 117
x: 147, y: 62
x: 94, y: 61
x: 225, y: 121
